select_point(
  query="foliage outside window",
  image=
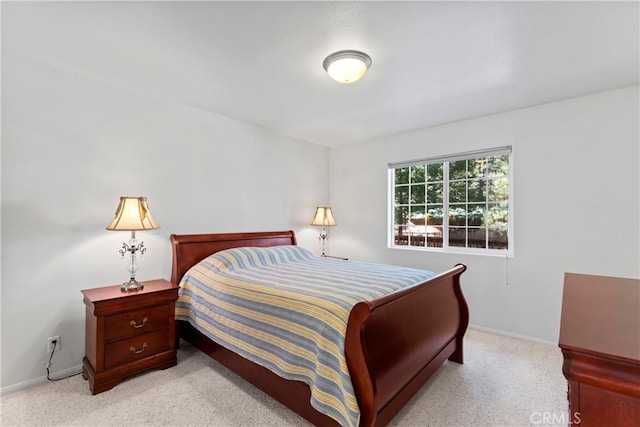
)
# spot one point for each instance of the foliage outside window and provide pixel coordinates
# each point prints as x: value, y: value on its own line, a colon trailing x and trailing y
x: 458, y: 202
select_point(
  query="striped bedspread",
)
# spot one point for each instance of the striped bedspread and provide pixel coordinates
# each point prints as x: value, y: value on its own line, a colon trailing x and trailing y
x: 287, y: 310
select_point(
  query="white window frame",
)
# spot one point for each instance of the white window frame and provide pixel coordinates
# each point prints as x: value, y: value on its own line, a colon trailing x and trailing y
x: 445, y: 159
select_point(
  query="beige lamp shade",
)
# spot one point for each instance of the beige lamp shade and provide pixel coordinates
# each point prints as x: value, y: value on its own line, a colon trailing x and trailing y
x: 323, y: 216
x: 132, y: 215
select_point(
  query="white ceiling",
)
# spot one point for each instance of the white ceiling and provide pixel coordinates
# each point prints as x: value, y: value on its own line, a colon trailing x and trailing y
x: 261, y: 62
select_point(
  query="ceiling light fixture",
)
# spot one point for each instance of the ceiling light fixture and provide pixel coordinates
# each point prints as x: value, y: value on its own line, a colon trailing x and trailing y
x: 347, y: 66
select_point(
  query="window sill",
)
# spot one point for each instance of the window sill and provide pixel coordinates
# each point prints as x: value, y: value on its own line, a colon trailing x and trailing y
x: 458, y: 251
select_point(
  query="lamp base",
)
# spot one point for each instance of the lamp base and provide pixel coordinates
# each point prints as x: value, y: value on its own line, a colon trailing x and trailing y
x: 131, y: 286
x: 323, y: 238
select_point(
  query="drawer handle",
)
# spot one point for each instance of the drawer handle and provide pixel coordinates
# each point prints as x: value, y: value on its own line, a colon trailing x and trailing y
x: 135, y: 325
x: 133, y: 350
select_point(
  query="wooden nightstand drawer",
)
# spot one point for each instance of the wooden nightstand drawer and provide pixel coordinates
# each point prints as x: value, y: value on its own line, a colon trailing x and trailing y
x: 136, y: 322
x: 138, y: 347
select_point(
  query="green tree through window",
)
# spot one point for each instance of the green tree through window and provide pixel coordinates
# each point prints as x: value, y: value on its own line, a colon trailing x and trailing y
x: 459, y: 201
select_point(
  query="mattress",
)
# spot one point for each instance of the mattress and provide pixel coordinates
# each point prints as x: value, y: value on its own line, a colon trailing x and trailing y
x: 287, y: 310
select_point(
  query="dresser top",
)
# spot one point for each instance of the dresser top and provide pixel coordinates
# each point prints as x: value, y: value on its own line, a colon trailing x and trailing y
x: 601, y: 314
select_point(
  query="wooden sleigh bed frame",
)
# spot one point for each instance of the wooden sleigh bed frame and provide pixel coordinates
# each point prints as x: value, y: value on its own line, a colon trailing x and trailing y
x: 393, y: 344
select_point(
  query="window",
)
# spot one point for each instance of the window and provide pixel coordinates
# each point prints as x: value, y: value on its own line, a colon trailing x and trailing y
x: 457, y: 203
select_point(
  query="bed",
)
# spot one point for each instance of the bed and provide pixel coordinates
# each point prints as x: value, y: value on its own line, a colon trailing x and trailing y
x: 392, y: 343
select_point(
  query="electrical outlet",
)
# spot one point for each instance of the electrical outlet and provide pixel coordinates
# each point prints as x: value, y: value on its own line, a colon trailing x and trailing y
x: 53, y: 344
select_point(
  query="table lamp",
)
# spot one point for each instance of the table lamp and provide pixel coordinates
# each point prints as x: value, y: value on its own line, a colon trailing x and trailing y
x: 132, y: 215
x: 323, y: 217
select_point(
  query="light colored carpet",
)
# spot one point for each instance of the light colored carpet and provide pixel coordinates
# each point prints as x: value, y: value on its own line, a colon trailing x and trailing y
x: 503, y: 382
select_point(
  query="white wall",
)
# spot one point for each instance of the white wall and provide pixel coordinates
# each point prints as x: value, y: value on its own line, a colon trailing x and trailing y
x: 576, y: 199
x: 71, y: 146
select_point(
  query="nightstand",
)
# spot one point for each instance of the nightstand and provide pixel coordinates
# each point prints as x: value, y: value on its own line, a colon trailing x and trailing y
x: 128, y: 332
x: 336, y: 257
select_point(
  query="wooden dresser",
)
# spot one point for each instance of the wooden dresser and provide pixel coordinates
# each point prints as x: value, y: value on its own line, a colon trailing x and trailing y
x: 128, y: 332
x: 600, y: 342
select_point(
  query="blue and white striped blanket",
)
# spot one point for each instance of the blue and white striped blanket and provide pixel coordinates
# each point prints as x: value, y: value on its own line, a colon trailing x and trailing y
x: 287, y: 310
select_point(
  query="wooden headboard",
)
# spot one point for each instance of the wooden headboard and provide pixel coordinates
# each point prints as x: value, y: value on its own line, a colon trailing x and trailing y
x: 189, y: 249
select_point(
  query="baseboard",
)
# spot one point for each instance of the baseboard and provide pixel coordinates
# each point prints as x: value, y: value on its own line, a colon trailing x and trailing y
x: 78, y: 369
x: 74, y: 370
x: 512, y: 335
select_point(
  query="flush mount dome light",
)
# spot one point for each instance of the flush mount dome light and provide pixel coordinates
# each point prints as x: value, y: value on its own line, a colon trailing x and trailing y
x: 347, y: 66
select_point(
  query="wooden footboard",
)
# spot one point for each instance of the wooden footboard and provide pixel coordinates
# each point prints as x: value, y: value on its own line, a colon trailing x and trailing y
x: 393, y: 344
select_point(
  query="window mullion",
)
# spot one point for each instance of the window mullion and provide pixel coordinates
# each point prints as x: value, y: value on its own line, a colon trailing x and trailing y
x: 409, y: 209
x: 466, y: 204
x: 485, y: 222
x: 445, y: 205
